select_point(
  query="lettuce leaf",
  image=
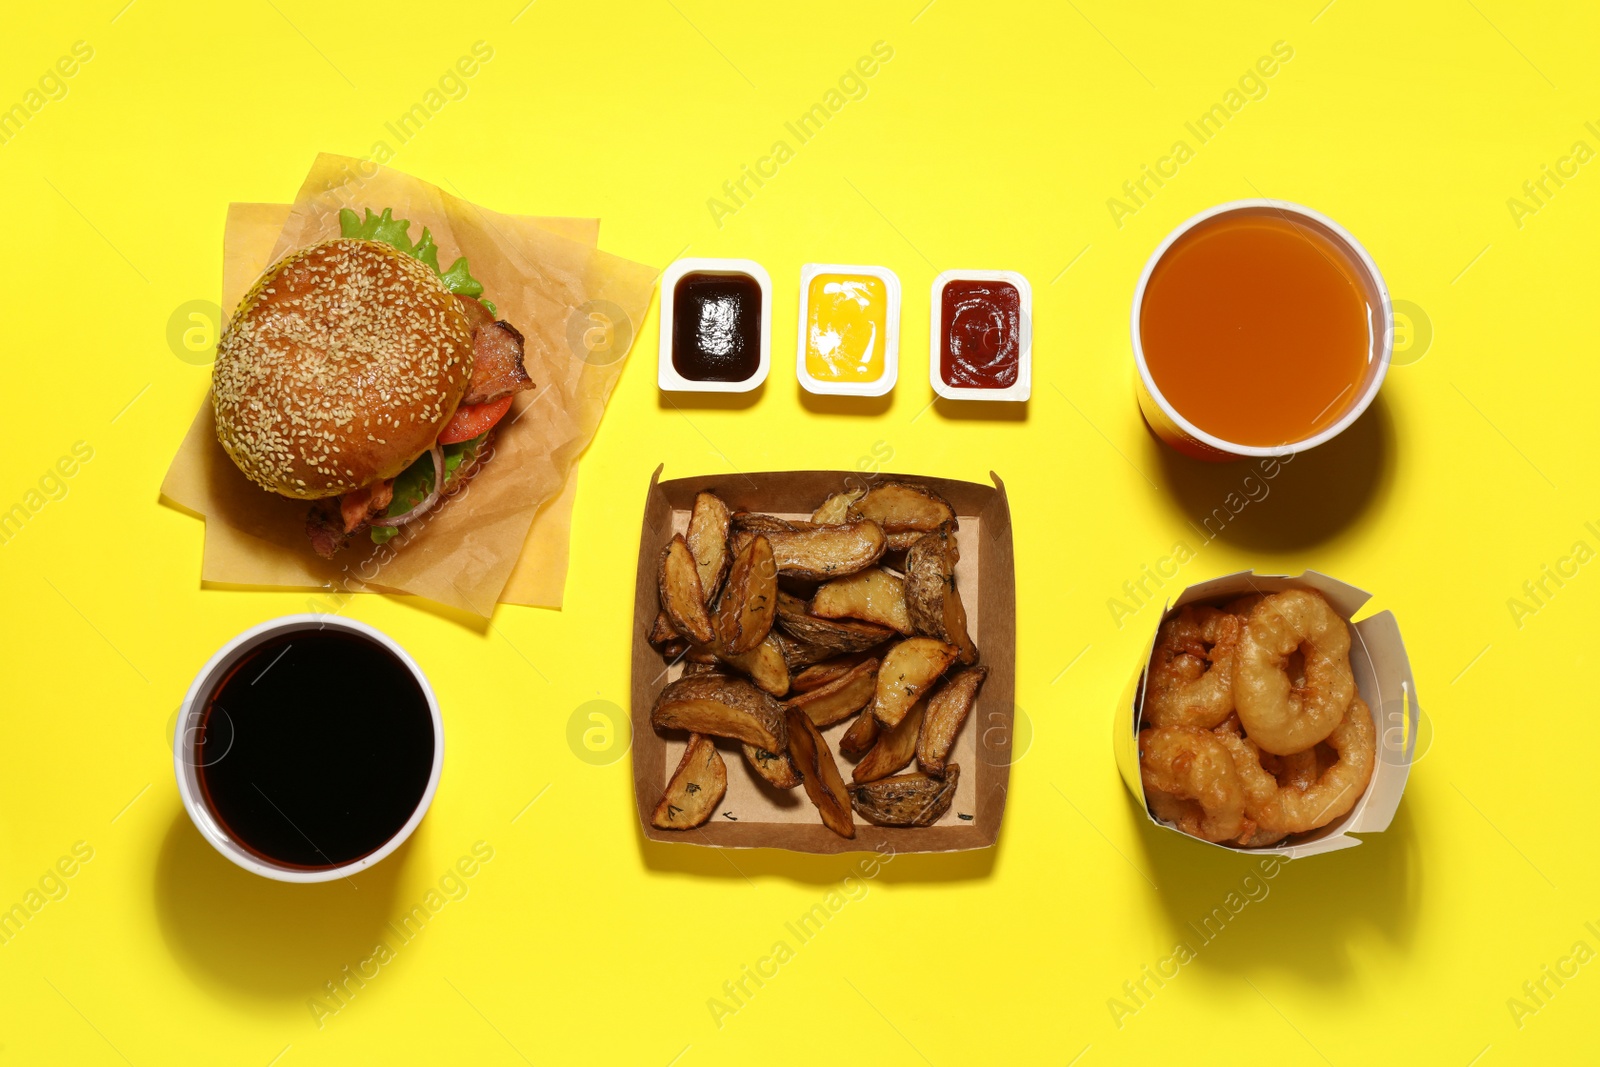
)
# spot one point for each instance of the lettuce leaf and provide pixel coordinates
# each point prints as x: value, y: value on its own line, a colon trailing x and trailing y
x: 396, y: 233
x: 412, y: 485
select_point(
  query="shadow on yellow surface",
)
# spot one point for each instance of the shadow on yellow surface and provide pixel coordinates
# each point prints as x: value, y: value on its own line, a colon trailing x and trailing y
x: 1284, y: 506
x: 265, y: 938
x: 983, y: 410
x: 1310, y: 918
x: 832, y: 404
x: 710, y: 401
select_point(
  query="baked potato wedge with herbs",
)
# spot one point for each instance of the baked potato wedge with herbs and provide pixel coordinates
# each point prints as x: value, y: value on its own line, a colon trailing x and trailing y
x: 681, y: 595
x: 948, y: 709
x: 775, y: 768
x: 894, y: 748
x: 838, y: 508
x: 723, y: 707
x: 832, y: 636
x: 873, y: 595
x: 810, y: 551
x: 933, y: 602
x: 902, y: 507
x: 819, y: 774
x: 708, y: 541
x: 695, y: 789
x: 914, y: 799
x: 908, y: 670
x: 750, y: 601
x: 840, y: 698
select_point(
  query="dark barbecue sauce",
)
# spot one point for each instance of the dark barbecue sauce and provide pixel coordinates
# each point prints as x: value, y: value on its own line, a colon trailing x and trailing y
x: 315, y: 749
x: 716, y: 326
x: 981, y: 334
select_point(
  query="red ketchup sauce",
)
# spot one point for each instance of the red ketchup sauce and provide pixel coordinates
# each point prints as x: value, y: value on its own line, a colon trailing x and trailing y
x: 981, y: 334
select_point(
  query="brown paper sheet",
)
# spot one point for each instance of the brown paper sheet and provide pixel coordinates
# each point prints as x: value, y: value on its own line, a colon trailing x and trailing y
x: 504, y: 536
x: 763, y: 817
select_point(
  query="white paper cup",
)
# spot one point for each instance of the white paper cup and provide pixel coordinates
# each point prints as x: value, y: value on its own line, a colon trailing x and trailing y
x: 1185, y: 436
x: 188, y: 773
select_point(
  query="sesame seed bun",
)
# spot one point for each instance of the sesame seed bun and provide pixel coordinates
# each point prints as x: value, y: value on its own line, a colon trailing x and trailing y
x: 340, y: 367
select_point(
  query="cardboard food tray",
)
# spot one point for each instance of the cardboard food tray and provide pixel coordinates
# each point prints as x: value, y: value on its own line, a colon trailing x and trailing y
x: 1383, y: 678
x: 753, y: 814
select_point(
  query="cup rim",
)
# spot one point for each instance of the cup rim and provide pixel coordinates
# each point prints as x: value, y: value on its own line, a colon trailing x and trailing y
x: 188, y: 776
x: 1374, y: 276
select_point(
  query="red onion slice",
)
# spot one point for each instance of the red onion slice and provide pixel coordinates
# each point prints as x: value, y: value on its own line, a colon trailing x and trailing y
x: 428, y: 501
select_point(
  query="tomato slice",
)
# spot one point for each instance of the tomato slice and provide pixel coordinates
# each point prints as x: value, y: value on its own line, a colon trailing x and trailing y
x: 470, y: 420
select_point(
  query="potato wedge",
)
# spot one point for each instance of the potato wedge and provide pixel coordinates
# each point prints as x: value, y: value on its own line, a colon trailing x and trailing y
x: 840, y: 507
x: 750, y: 601
x: 777, y: 769
x: 816, y: 553
x: 948, y: 708
x: 763, y: 665
x: 708, y: 541
x: 662, y: 632
x: 798, y: 654
x: 906, y: 799
x: 841, y: 698
x: 681, y: 595
x: 908, y: 669
x: 754, y: 522
x: 932, y: 600
x: 901, y: 540
x: 829, y: 670
x: 894, y: 748
x: 902, y: 506
x: 873, y: 595
x: 857, y: 741
x: 723, y: 707
x: 818, y: 773
x: 832, y: 636
x: 695, y: 789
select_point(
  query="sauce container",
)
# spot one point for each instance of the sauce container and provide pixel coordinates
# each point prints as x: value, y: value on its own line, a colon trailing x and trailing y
x: 849, y: 342
x: 980, y: 335
x: 716, y: 326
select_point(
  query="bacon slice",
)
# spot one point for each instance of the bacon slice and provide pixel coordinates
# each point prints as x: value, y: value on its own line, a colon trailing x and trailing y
x: 330, y: 523
x: 325, y: 528
x: 358, y: 506
x: 497, y: 369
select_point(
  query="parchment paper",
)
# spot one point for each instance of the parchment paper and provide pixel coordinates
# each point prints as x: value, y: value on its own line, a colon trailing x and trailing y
x: 504, y: 536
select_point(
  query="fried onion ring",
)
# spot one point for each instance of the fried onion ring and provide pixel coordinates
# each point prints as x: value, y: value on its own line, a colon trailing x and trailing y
x: 1191, y: 680
x: 1190, y: 780
x: 1278, y: 808
x: 1244, y: 605
x: 1279, y: 715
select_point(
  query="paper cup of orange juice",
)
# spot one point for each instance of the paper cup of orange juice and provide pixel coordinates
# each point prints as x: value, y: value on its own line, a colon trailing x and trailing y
x: 1260, y: 328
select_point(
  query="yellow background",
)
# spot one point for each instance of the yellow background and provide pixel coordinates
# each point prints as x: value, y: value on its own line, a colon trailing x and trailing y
x: 992, y: 139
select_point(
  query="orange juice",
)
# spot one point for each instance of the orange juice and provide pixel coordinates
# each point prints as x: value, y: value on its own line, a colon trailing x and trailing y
x: 1260, y: 327
x: 846, y: 327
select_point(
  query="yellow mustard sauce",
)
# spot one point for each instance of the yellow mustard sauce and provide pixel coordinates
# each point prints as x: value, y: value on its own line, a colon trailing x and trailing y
x: 847, y: 319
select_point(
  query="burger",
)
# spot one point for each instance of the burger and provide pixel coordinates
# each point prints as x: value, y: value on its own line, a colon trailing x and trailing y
x: 358, y: 375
